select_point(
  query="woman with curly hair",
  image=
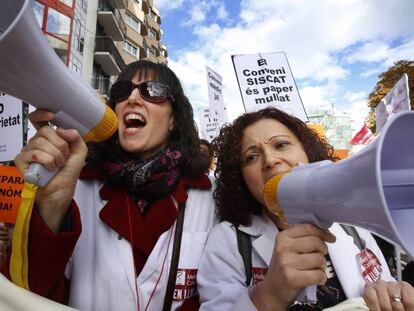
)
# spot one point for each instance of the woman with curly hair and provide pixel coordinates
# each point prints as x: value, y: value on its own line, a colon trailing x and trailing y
x: 126, y: 230
x: 281, y: 259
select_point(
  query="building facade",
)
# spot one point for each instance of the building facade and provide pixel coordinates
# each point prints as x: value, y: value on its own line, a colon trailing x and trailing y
x: 97, y: 38
x: 337, y: 127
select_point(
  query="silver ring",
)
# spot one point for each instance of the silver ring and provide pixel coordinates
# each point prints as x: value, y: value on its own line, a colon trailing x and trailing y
x: 396, y: 298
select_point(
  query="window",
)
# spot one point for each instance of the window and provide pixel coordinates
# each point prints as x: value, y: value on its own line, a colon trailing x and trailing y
x: 133, y: 23
x: 153, y: 15
x: 39, y: 10
x: 78, y: 40
x: 75, y: 64
x: 60, y: 47
x: 69, y: 3
x: 152, y: 33
x: 100, y: 80
x: 83, y: 4
x: 58, y: 24
x: 151, y: 52
x: 130, y: 49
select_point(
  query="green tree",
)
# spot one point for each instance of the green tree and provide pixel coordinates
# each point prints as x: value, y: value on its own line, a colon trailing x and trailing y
x: 386, y: 81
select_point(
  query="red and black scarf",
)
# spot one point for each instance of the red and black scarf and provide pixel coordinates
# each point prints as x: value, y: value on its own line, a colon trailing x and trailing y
x: 146, y: 180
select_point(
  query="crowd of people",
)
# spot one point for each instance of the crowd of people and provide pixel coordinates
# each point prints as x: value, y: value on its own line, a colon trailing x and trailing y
x: 139, y: 222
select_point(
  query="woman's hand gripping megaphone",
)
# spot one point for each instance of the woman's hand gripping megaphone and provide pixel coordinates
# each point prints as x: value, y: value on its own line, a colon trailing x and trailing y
x: 308, y: 231
x: 62, y: 153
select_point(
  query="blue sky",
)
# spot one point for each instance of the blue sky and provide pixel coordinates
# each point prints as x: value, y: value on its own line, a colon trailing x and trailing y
x: 336, y: 48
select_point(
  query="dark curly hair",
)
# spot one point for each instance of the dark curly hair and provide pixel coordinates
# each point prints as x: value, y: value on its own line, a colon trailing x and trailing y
x: 184, y: 134
x: 233, y: 199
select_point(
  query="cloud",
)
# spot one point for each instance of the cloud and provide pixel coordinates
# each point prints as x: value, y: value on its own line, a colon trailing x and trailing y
x: 370, y: 72
x: 197, y: 15
x: 403, y: 51
x: 323, y: 39
x: 316, y: 98
x: 355, y: 96
x: 222, y: 13
x: 167, y: 5
x: 196, y: 12
x: 369, y: 52
x: 358, y: 110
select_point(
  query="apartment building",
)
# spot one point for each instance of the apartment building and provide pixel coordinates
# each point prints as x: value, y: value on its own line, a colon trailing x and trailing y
x: 143, y: 33
x: 97, y: 38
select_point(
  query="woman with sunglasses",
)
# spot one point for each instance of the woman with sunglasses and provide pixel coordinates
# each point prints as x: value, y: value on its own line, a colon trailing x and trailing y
x: 125, y: 231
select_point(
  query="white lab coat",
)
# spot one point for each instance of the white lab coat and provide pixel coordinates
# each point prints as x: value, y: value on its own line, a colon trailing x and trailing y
x: 221, y: 277
x: 101, y: 269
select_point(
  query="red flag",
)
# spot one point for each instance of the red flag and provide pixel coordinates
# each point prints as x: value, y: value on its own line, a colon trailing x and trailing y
x: 363, y: 137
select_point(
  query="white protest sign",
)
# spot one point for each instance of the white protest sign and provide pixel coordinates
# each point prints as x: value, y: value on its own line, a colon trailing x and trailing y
x: 380, y: 116
x: 215, y: 96
x: 397, y: 100
x: 265, y: 79
x: 11, y: 127
x: 208, y: 125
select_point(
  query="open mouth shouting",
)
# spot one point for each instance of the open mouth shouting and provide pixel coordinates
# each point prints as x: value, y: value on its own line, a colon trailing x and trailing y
x: 133, y: 122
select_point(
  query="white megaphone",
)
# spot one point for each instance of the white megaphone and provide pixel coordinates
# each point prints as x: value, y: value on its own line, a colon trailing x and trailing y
x: 31, y: 71
x: 373, y: 189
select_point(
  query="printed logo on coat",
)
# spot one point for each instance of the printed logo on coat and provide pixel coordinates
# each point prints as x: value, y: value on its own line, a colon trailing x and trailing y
x: 329, y: 270
x: 370, y: 265
x: 258, y: 275
x: 185, y: 284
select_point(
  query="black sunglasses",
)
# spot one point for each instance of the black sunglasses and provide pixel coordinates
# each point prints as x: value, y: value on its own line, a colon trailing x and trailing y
x: 151, y: 91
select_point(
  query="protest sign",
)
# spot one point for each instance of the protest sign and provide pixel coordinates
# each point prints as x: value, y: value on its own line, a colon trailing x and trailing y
x: 265, y: 79
x: 11, y: 185
x: 11, y: 127
x: 208, y: 125
x: 397, y: 100
x: 215, y: 97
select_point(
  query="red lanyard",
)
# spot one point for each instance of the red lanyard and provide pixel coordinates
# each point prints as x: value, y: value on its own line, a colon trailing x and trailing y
x: 133, y: 257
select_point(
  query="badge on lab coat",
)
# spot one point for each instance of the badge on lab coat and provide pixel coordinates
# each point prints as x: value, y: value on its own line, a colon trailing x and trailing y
x: 185, y: 285
x: 370, y: 265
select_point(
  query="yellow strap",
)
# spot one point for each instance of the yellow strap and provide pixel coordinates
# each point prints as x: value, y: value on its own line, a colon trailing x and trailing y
x: 19, y: 265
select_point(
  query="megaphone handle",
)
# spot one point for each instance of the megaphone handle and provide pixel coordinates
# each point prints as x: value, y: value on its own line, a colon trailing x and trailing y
x: 308, y: 294
x: 39, y: 175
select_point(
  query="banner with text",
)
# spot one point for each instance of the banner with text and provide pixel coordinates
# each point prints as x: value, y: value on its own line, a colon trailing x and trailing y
x: 397, y: 100
x: 11, y: 186
x: 215, y: 97
x: 265, y: 79
x: 208, y: 125
x: 11, y: 127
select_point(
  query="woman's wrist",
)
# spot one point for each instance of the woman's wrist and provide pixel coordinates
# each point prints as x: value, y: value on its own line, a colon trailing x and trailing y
x: 264, y: 299
x: 52, y: 216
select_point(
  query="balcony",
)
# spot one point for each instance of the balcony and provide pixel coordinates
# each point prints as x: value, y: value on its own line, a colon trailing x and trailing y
x: 103, y: 85
x: 163, y: 49
x: 151, y: 22
x: 146, y: 6
x: 111, y: 20
x: 108, y: 56
x: 121, y: 4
